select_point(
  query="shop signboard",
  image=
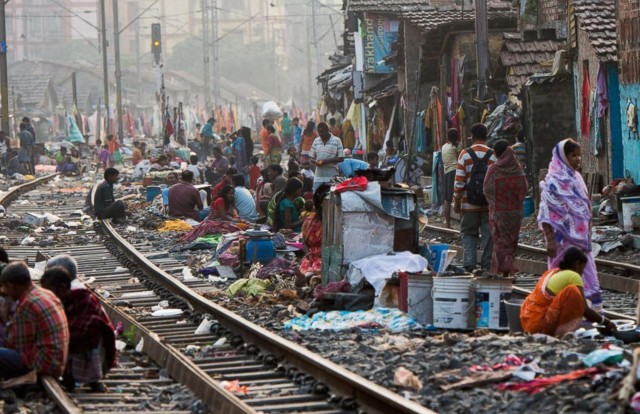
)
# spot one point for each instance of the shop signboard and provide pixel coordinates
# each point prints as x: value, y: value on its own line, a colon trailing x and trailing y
x: 380, y: 32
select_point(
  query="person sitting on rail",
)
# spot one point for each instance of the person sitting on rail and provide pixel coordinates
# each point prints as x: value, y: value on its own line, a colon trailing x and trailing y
x: 38, y: 333
x: 105, y: 205
x: 70, y: 265
x: 185, y: 199
x: 557, y: 305
x: 92, y: 351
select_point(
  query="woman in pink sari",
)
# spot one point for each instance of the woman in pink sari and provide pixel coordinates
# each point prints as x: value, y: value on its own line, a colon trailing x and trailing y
x: 565, y: 214
x: 505, y: 187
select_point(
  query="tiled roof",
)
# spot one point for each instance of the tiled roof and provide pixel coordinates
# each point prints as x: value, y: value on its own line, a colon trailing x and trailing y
x: 32, y: 88
x: 523, y: 59
x: 383, y: 5
x: 598, y: 19
x: 430, y: 18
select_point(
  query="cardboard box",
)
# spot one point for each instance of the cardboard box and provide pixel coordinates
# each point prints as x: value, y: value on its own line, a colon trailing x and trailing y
x: 34, y: 219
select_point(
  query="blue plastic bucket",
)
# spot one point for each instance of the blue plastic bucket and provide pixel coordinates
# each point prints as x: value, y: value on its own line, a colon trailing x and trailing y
x: 527, y: 207
x: 152, y: 192
x: 437, y: 254
x: 260, y: 250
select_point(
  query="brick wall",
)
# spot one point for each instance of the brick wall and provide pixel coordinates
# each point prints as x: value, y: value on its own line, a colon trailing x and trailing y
x: 629, y: 40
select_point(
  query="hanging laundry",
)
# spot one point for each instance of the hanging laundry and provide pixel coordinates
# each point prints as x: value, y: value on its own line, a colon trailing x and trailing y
x: 632, y: 117
x: 419, y: 133
x: 602, y: 89
x: 585, y: 95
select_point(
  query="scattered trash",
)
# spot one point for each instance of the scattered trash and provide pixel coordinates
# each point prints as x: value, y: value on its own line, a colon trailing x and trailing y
x: 220, y: 341
x: 140, y: 346
x: 204, y: 327
x: 216, y: 279
x: 120, y: 345
x: 540, y: 384
x: 167, y: 312
x: 248, y: 287
x: 402, y: 377
x: 131, y: 229
x: 187, y: 275
x: 234, y: 386
x: 143, y: 294
x: 610, y: 356
x: 34, y: 219
x: 27, y: 241
x: 120, y: 269
x: 388, y: 318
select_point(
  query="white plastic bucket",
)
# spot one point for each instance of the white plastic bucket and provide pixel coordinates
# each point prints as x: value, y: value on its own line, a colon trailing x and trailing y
x: 419, y: 301
x: 490, y: 310
x: 630, y: 206
x: 453, y: 302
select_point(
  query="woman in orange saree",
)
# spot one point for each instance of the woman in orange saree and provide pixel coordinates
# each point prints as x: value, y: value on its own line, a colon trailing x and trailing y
x: 557, y: 305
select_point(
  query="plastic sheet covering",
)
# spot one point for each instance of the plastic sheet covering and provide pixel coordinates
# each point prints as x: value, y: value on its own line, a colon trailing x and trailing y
x: 386, y: 318
x: 374, y: 227
x: 376, y: 269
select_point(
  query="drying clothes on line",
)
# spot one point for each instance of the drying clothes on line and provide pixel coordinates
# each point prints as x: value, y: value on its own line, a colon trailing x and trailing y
x: 175, y: 225
x: 585, y: 101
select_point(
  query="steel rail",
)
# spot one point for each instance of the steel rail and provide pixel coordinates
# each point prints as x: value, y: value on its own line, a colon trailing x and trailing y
x: 17, y: 191
x: 370, y: 396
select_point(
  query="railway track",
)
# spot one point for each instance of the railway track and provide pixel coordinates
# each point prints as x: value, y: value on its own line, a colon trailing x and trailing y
x: 268, y: 373
x: 615, y: 278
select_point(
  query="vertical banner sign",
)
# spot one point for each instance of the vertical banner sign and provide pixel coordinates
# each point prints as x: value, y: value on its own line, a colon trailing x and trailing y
x: 379, y: 34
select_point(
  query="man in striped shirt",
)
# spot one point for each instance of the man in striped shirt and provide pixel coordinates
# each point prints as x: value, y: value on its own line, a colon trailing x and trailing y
x: 38, y: 334
x: 475, y: 217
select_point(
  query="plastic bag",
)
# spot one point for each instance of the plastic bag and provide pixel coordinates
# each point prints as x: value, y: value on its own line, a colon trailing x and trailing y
x: 354, y: 184
x: 271, y: 111
x: 605, y: 356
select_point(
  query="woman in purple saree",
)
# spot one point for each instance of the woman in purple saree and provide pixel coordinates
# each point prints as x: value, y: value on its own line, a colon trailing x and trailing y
x: 565, y: 214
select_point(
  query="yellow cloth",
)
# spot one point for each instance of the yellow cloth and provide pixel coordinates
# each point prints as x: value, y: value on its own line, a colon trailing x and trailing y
x: 562, y: 279
x: 175, y: 225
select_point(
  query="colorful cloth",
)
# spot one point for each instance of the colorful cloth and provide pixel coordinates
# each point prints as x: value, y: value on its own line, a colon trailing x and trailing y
x: 556, y: 315
x: 312, y: 237
x: 210, y: 227
x: 39, y: 332
x: 278, y: 266
x: 565, y: 207
x: 175, y: 225
x: 505, y: 187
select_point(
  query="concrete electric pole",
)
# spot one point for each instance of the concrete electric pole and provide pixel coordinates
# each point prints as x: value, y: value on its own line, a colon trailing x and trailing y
x: 215, y: 48
x: 205, y: 55
x: 116, y: 47
x: 482, y: 36
x: 105, y: 67
x: 4, y: 76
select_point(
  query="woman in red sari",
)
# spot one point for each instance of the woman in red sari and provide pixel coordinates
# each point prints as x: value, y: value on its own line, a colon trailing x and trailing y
x: 505, y: 187
x: 557, y: 305
x: 312, y: 234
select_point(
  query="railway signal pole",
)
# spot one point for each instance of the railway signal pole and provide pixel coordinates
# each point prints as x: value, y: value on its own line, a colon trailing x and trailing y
x: 4, y: 76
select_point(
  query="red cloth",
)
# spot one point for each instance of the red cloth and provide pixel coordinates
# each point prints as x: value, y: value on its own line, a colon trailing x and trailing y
x: 210, y: 227
x: 39, y: 332
x: 218, y: 208
x: 88, y: 323
x: 312, y: 237
x: 585, y: 95
x: 183, y: 199
x: 216, y: 190
x: 540, y: 384
x: 264, y: 138
x: 254, y: 174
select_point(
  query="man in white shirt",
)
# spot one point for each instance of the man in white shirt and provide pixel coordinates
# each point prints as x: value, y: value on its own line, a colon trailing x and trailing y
x: 326, y: 153
x: 244, y: 202
x: 333, y: 113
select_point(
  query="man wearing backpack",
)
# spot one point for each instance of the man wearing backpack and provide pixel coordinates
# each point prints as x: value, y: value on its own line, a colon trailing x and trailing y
x: 470, y: 201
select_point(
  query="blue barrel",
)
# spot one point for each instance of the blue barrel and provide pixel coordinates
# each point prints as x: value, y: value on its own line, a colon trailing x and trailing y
x: 152, y: 192
x: 527, y: 207
x: 260, y: 249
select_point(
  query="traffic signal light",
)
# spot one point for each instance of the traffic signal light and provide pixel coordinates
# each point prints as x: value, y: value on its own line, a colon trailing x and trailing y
x: 156, y: 42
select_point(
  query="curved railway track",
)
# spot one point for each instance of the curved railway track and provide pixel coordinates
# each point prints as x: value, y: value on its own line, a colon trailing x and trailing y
x: 614, y: 276
x: 280, y: 376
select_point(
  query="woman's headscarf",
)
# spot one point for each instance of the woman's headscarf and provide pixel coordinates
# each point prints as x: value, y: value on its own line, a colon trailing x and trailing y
x: 564, y: 201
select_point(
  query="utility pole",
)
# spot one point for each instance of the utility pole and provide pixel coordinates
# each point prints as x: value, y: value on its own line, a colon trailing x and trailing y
x: 482, y: 36
x: 105, y: 67
x: 216, y: 51
x: 138, y: 74
x: 205, y: 55
x: 308, y: 42
x: 316, y: 33
x: 4, y: 77
x: 116, y: 47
